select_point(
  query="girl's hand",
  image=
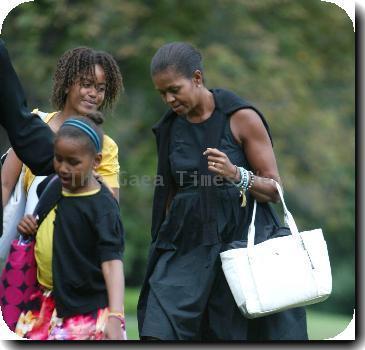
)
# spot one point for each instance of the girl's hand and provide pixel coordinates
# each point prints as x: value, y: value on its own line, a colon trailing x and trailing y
x: 219, y: 163
x: 114, y: 330
x: 28, y: 225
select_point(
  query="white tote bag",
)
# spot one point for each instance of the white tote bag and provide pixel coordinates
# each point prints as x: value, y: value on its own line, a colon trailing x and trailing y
x: 280, y: 273
x: 19, y: 204
x: 32, y: 197
x: 13, y: 212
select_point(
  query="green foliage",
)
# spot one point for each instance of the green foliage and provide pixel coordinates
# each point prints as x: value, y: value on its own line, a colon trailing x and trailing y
x: 279, y: 54
x: 130, y: 300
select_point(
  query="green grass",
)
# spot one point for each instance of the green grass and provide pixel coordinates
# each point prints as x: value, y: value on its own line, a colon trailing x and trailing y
x: 130, y: 300
x: 326, y: 325
x: 132, y: 327
x: 320, y: 325
x: 130, y: 308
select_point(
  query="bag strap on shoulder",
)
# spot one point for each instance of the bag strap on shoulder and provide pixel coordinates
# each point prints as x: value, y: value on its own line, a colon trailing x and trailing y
x: 49, y: 197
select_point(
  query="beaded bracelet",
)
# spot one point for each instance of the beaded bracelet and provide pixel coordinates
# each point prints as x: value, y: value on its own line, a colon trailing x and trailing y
x: 239, y: 183
x: 118, y: 315
x: 252, y: 180
x: 244, y: 179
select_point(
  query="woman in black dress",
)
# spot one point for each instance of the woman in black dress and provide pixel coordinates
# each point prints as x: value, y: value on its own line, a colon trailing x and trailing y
x: 215, y: 156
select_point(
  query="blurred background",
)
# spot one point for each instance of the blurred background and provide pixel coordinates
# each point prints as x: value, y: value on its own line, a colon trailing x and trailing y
x: 294, y: 60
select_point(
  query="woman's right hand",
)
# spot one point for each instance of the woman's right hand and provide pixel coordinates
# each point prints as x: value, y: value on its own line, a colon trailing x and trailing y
x: 28, y: 225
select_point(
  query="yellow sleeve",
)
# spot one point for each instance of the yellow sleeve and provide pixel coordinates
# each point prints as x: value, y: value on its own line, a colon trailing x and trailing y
x: 28, y: 179
x: 109, y: 166
x: 43, y: 251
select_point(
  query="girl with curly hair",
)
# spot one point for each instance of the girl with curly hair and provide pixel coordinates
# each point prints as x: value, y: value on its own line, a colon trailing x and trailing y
x: 85, y: 81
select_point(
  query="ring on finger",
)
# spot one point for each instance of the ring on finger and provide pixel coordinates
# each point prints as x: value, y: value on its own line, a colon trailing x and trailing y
x: 213, y: 164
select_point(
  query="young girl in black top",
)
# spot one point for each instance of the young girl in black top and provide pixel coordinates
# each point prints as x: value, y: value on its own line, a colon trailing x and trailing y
x: 78, y: 250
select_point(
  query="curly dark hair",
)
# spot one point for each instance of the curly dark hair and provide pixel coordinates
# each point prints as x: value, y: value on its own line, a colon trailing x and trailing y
x: 79, y: 62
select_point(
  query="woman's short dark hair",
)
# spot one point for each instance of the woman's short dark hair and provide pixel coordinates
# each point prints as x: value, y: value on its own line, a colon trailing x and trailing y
x: 182, y: 57
x: 81, y: 61
x: 75, y: 133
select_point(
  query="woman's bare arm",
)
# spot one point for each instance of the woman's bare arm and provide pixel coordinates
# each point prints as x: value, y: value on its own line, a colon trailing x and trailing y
x: 10, y: 172
x: 250, y: 132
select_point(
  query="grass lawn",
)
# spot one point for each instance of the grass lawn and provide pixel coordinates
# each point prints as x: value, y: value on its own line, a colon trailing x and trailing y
x: 320, y: 325
x: 326, y: 325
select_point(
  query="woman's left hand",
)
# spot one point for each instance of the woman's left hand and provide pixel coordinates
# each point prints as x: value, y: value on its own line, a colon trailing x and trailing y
x: 113, y: 329
x: 219, y: 163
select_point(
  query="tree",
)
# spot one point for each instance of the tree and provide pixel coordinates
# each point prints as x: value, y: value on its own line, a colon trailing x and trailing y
x: 279, y: 55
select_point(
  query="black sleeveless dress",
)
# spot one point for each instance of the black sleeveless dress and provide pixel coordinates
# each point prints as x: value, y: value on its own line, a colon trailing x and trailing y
x: 189, y: 298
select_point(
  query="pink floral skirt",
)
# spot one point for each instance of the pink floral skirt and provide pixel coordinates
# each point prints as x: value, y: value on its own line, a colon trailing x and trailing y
x: 40, y: 322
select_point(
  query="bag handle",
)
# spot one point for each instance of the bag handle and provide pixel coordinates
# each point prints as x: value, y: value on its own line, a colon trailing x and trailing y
x: 288, y: 219
x: 26, y: 239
